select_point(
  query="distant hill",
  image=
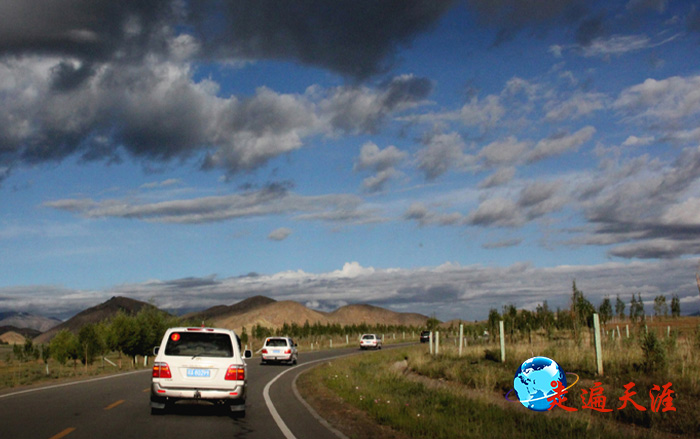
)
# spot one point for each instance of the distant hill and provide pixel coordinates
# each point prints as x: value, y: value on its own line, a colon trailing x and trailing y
x: 24, y: 332
x: 12, y: 337
x: 257, y: 310
x: 26, y: 320
x: 355, y: 314
x: 95, y: 314
x: 272, y: 315
x: 219, y: 311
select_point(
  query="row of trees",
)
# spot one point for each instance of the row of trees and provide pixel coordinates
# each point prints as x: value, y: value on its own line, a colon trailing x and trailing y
x: 130, y: 335
x: 579, y: 314
x: 136, y: 335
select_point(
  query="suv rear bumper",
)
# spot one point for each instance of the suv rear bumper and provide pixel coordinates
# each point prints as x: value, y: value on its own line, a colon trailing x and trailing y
x: 160, y: 394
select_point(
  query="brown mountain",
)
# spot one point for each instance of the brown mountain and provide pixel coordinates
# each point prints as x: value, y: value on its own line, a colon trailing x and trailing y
x: 354, y: 314
x: 95, y: 314
x: 220, y: 311
x: 272, y: 315
x: 24, y: 332
x: 12, y: 337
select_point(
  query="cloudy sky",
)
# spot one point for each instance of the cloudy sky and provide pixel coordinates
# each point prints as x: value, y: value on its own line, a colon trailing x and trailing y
x: 443, y: 157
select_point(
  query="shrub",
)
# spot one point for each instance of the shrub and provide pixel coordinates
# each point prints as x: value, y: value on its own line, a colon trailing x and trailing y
x: 654, y: 352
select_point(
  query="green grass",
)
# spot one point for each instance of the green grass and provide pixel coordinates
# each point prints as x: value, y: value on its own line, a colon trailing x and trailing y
x: 370, y: 383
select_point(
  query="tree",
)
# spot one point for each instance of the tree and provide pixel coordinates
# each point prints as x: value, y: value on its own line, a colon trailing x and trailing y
x: 620, y: 308
x: 636, y: 308
x: 125, y: 335
x: 432, y: 323
x: 605, y: 310
x: 581, y: 309
x: 64, y: 346
x: 91, y: 344
x: 660, y: 307
x: 494, y: 318
x: 675, y: 306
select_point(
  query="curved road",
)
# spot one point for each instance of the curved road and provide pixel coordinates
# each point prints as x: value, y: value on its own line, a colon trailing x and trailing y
x: 117, y: 407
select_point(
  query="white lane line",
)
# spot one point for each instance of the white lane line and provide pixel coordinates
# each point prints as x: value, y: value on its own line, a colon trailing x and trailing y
x: 270, y: 406
x: 74, y: 383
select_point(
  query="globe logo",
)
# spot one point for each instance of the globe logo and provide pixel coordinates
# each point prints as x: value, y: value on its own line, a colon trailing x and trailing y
x: 536, y: 380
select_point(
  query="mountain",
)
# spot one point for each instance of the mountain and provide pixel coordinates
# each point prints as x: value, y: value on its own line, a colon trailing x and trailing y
x: 12, y: 337
x: 220, y: 311
x: 24, y: 332
x: 26, y: 320
x: 354, y: 314
x: 257, y: 310
x: 272, y: 315
x: 95, y: 314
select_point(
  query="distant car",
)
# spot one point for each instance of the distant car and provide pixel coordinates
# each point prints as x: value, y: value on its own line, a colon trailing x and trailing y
x: 370, y: 341
x: 199, y: 364
x: 279, y: 349
x: 425, y: 336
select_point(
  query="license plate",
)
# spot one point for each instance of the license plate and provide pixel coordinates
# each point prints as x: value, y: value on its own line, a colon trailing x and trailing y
x: 198, y: 373
x: 276, y: 351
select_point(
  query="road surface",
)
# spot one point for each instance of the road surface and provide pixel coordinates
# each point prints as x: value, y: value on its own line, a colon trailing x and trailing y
x: 117, y: 407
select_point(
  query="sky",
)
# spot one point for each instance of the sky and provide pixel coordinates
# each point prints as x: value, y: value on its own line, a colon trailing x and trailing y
x: 432, y: 156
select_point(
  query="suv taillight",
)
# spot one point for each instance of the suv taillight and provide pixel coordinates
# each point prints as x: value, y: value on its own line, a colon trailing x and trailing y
x: 288, y: 351
x: 235, y: 372
x: 161, y: 370
x: 264, y: 351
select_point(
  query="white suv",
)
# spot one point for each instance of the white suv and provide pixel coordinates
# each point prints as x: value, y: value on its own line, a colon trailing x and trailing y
x: 199, y: 364
x: 279, y: 349
x: 370, y: 341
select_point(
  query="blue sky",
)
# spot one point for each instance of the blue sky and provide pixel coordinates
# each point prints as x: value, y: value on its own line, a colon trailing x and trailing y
x: 440, y: 157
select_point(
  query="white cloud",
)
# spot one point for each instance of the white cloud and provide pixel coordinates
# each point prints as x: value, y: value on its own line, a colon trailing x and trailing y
x: 280, y: 234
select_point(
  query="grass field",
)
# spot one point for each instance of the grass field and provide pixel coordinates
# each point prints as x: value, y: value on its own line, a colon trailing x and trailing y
x: 448, y: 396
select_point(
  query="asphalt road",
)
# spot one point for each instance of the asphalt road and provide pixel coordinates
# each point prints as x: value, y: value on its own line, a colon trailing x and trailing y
x: 117, y: 407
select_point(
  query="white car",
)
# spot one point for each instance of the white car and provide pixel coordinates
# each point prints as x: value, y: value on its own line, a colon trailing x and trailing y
x: 199, y: 364
x: 279, y: 349
x: 372, y: 341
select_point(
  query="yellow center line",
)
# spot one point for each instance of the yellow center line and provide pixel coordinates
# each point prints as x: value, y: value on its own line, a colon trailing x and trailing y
x: 147, y: 389
x: 114, y: 404
x: 65, y: 432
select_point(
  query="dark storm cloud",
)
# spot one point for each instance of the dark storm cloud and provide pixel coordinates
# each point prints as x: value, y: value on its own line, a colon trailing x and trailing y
x: 89, y: 29
x: 356, y: 38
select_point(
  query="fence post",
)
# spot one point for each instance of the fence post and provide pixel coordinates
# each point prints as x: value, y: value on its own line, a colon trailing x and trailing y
x: 437, y: 342
x: 598, y: 348
x: 461, y: 338
x: 503, y: 341
x: 627, y: 330
x: 430, y: 342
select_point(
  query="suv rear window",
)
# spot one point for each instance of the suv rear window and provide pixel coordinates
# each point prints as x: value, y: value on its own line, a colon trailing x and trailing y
x: 368, y: 337
x: 276, y: 342
x: 198, y: 344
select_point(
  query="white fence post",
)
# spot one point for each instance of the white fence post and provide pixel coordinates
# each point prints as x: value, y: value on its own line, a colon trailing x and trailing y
x: 461, y: 338
x: 503, y: 341
x: 437, y: 342
x: 598, y: 348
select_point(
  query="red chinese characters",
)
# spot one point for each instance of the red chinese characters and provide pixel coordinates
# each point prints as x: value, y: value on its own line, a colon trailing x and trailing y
x: 596, y: 400
x: 558, y: 398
